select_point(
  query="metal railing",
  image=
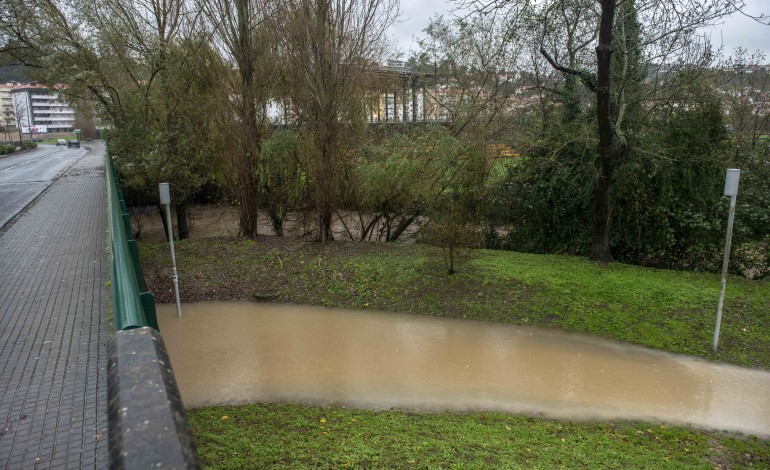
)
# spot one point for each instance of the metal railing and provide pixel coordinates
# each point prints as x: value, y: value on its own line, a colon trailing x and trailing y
x: 132, y: 305
x: 148, y: 426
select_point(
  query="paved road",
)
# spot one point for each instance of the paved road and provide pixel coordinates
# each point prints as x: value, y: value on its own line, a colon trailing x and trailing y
x: 23, y: 177
x: 53, y: 320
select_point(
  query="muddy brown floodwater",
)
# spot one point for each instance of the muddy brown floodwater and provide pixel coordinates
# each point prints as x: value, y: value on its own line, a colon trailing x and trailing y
x: 219, y: 220
x: 237, y: 352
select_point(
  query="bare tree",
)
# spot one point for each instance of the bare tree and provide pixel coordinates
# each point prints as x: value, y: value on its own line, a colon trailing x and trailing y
x: 328, y: 49
x: 469, y: 66
x: 239, y: 28
x: 21, y: 116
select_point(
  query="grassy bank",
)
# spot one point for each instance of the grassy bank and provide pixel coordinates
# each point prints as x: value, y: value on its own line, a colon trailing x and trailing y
x: 661, y: 309
x: 298, y: 436
x: 669, y: 310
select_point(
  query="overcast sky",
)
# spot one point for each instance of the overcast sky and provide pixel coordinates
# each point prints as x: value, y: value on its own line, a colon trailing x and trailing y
x: 736, y: 30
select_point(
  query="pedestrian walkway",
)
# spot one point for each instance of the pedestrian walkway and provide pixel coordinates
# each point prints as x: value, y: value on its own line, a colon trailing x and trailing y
x: 53, y: 325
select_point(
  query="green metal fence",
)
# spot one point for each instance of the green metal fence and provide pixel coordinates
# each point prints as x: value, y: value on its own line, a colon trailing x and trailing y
x: 132, y: 305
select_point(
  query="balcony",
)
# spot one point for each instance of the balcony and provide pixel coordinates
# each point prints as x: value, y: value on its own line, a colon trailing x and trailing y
x: 53, y: 111
x: 56, y: 119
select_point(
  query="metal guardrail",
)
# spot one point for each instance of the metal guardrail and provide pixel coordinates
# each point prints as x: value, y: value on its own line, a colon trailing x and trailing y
x: 148, y: 427
x: 132, y: 305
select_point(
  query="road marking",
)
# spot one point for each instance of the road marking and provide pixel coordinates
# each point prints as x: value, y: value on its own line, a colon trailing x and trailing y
x: 23, y: 182
x: 28, y: 161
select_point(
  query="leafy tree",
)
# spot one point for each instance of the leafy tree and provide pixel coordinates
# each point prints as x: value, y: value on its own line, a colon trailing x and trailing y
x: 454, y: 217
x: 328, y: 49
x: 666, y: 190
x: 283, y: 176
x: 746, y: 84
x: 672, y: 219
x: 134, y: 63
x: 669, y: 31
x: 395, y: 181
x: 241, y: 30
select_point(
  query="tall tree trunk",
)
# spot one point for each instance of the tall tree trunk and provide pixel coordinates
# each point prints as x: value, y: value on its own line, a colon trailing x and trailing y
x: 326, y: 120
x: 403, y: 224
x: 324, y: 189
x: 162, y: 213
x: 608, y: 154
x: 182, y: 219
x: 248, y: 206
x: 277, y: 216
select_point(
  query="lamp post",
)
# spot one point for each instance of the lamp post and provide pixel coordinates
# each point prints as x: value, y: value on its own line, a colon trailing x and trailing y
x: 731, y: 189
x: 165, y: 199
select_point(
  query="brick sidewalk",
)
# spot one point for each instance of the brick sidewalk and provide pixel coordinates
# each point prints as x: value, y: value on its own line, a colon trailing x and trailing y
x: 53, y: 325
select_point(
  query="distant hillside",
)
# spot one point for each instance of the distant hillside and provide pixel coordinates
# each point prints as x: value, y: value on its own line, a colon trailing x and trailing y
x: 13, y: 73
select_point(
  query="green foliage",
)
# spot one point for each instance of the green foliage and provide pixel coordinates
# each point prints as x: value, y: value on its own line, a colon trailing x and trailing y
x: 27, y: 145
x: 667, y: 205
x: 165, y: 132
x: 397, y: 179
x: 283, y: 176
x: 671, y: 211
x: 752, y: 215
x: 544, y: 203
x: 456, y: 215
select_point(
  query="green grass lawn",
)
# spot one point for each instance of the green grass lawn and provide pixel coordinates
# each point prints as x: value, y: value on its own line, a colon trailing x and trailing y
x: 300, y: 436
x: 669, y: 310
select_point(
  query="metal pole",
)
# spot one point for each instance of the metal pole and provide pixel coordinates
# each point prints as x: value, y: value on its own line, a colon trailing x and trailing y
x: 173, y: 260
x: 731, y: 189
x: 165, y: 199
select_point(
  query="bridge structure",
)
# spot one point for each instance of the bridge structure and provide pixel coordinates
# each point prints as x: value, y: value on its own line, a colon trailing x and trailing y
x: 85, y: 381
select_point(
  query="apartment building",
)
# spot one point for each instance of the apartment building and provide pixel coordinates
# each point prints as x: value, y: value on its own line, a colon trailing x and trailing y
x: 41, y: 110
x: 7, y: 118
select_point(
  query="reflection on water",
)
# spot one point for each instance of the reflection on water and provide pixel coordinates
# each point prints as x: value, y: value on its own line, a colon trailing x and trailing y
x: 236, y: 352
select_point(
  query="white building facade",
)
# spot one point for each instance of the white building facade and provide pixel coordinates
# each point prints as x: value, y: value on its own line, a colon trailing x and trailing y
x: 7, y: 117
x: 41, y: 111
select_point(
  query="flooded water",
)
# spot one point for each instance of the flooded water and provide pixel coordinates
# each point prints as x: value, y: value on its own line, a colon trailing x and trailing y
x: 220, y: 220
x: 237, y: 352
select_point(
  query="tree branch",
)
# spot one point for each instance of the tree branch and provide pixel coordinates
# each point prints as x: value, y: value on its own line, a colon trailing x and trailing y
x: 586, y: 78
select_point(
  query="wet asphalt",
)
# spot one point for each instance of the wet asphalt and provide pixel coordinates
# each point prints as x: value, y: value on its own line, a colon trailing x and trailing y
x: 23, y: 177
